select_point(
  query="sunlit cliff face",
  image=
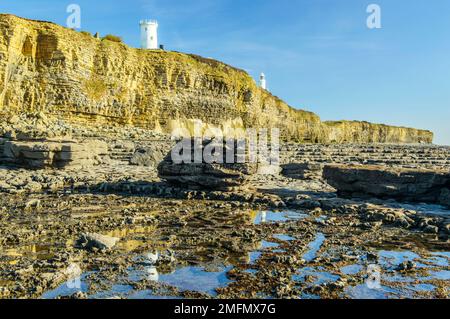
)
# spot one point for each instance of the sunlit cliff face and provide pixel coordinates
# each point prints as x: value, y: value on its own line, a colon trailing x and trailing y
x: 48, y: 68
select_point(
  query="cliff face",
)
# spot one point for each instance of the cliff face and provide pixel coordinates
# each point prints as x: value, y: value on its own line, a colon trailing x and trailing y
x: 47, y: 68
x: 364, y: 132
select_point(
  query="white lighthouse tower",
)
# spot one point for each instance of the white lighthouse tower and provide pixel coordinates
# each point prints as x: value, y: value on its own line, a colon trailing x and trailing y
x: 149, y: 34
x: 262, y: 81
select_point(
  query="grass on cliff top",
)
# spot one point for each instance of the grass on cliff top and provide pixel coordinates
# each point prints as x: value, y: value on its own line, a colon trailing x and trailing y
x: 113, y: 38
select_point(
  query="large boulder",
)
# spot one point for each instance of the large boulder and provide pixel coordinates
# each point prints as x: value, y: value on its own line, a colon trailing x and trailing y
x: 54, y: 154
x: 91, y: 241
x: 147, y: 156
x: 416, y: 185
x: 205, y: 175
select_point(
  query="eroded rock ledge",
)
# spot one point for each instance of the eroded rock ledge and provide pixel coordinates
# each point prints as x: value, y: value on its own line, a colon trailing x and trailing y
x: 204, y: 175
x: 53, y: 153
x: 415, y: 185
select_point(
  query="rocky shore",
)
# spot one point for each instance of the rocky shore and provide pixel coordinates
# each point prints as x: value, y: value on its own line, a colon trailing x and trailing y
x: 132, y: 234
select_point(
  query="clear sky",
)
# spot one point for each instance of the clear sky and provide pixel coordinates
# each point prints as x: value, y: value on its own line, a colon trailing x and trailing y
x: 318, y: 55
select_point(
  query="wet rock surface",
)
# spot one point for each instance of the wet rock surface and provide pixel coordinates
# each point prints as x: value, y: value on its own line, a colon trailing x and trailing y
x: 180, y: 248
x: 283, y: 236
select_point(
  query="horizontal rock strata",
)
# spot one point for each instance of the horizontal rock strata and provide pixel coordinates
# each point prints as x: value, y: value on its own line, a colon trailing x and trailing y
x: 302, y: 170
x: 390, y: 155
x: 216, y: 176
x: 413, y: 185
x: 364, y: 132
x: 55, y: 154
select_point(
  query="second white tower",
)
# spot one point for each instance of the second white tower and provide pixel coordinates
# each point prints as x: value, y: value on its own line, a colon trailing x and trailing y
x: 149, y: 34
x: 262, y: 81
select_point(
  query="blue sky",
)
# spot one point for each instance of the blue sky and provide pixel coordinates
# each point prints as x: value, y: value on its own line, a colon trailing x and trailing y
x: 318, y: 55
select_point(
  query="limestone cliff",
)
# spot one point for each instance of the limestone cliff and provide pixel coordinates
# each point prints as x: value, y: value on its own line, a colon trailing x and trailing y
x: 51, y: 69
x: 364, y: 132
